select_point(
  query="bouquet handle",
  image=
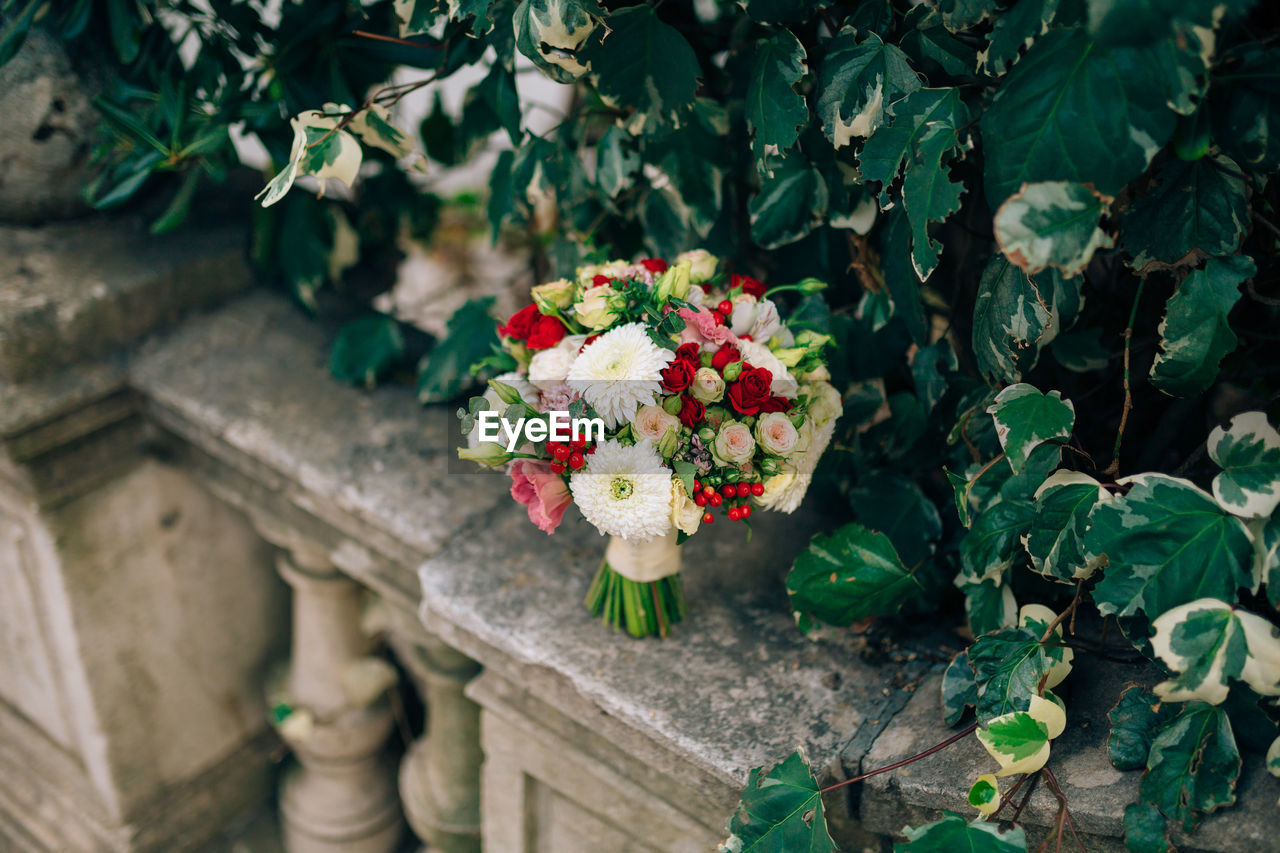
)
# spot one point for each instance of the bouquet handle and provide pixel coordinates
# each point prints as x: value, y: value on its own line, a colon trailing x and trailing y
x: 638, y: 587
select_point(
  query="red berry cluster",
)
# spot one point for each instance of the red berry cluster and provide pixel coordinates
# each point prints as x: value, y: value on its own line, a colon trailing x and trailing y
x: 572, y: 454
x: 732, y: 496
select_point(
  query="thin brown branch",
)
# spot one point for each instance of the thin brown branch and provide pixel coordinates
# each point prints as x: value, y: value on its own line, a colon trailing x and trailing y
x: 394, y: 40
x: 1114, y: 468
x: 904, y: 762
x: 1062, y: 617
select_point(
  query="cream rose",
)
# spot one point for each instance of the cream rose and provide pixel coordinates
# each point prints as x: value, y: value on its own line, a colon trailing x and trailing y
x: 733, y: 444
x: 825, y: 403
x: 594, y: 311
x: 554, y: 295
x: 779, y: 490
x: 708, y: 385
x: 652, y: 422
x: 776, y: 434
x: 702, y: 264
x: 550, y: 367
x: 685, y: 514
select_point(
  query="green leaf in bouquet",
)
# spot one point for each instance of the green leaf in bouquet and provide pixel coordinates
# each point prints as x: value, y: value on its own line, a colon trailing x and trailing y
x: 645, y: 66
x: 446, y: 369
x: 953, y: 833
x: 1015, y: 28
x: 781, y: 811
x: 775, y: 111
x: 1249, y: 454
x: 1055, y: 539
x: 858, y: 85
x: 1195, y: 334
x: 1245, y: 121
x: 1207, y: 642
x: 553, y: 34
x: 1196, y: 210
x: 1052, y: 223
x: 959, y: 690
x: 366, y: 348
x: 848, y: 575
x: 1073, y: 110
x: 1008, y: 665
x: 1145, y: 829
x: 1166, y: 543
x: 1193, y: 765
x: 1135, y: 720
x: 792, y: 202
x: 1026, y: 418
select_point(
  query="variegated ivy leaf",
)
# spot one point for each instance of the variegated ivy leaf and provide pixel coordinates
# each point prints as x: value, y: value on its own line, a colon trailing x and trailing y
x: 1026, y: 418
x: 1053, y: 223
x: 780, y: 810
x: 858, y: 84
x: 374, y: 127
x: 1055, y: 541
x: 929, y: 195
x: 952, y: 833
x: 645, y: 66
x: 849, y: 575
x: 1145, y: 829
x: 1273, y: 758
x: 1015, y: 29
x: 616, y: 161
x: 994, y: 541
x: 1195, y: 334
x: 1007, y: 668
x: 1249, y: 455
x: 319, y: 149
x: 915, y: 115
x: 552, y: 32
x: 791, y: 202
x: 1208, y: 641
x: 984, y: 794
x: 782, y: 11
x: 1266, y: 557
x: 1015, y: 316
x: 1197, y: 209
x: 988, y: 606
x: 959, y: 690
x: 775, y: 110
x: 1193, y: 765
x: 1036, y: 618
x: 1136, y: 719
x: 1018, y: 742
x: 416, y: 16
x: 962, y: 14
x: 1167, y: 543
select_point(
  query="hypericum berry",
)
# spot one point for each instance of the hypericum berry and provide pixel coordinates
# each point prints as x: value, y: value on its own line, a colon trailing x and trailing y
x: 708, y: 491
x: 757, y: 489
x: 700, y: 499
x: 735, y: 514
x: 743, y: 489
x: 708, y: 518
x: 725, y: 307
x: 578, y: 443
x: 551, y: 446
x: 716, y: 499
x: 561, y: 453
x: 591, y: 449
x: 719, y: 318
x: 729, y: 490
x: 557, y: 468
x: 697, y: 484
x: 744, y: 511
x: 576, y: 460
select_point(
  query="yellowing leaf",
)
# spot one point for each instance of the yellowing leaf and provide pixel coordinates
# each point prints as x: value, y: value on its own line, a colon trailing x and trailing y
x: 984, y: 794
x: 1206, y: 642
x: 1018, y: 742
x: 1052, y: 223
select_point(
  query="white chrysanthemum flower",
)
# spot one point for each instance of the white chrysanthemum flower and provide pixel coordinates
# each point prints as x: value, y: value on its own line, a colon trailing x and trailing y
x: 619, y: 372
x: 625, y: 491
x: 785, y: 490
x: 526, y: 391
x: 550, y: 367
x: 757, y: 354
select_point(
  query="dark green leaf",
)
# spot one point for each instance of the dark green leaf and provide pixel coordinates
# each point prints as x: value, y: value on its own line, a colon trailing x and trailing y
x: 781, y: 811
x: 1167, y: 543
x: 776, y: 112
x: 994, y: 541
x: 1197, y: 209
x: 792, y: 201
x: 1016, y: 315
x: 889, y: 503
x: 646, y: 66
x: 1145, y: 829
x: 446, y: 370
x: 959, y: 690
x: 1055, y: 539
x: 365, y: 349
x: 1245, y: 108
x: 988, y: 606
x: 1135, y: 720
x: 1007, y: 666
x: 952, y: 834
x: 1015, y: 28
x: 782, y: 11
x: 1195, y: 334
x: 920, y: 112
x: 1193, y: 766
x: 1026, y: 418
x: 933, y: 48
x: 616, y: 161
x: 1145, y: 21
x: 849, y: 575
x: 858, y: 84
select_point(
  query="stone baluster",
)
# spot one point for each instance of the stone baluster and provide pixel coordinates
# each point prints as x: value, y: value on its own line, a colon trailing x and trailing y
x: 340, y: 795
x: 440, y: 775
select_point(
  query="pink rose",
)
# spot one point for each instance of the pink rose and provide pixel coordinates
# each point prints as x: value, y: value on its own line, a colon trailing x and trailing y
x: 535, y: 485
x: 701, y: 327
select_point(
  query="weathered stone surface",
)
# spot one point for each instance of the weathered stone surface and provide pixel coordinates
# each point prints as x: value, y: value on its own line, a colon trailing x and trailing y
x: 75, y: 290
x: 1096, y: 792
x: 46, y: 137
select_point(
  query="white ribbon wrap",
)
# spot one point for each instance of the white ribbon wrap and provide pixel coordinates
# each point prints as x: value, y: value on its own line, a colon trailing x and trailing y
x: 644, y: 562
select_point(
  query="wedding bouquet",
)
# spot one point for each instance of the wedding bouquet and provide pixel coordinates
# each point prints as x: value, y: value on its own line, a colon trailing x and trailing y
x: 657, y: 398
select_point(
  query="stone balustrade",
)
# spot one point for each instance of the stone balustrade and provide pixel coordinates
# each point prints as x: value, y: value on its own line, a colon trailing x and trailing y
x: 169, y: 509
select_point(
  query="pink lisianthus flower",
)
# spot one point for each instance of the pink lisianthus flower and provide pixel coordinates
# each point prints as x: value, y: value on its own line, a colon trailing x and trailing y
x: 700, y: 327
x: 542, y: 491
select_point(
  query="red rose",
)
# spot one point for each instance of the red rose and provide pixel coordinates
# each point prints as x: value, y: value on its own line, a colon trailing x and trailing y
x: 677, y: 376
x: 654, y: 265
x: 748, y: 285
x: 751, y: 390
x: 690, y: 352
x: 692, y: 412
x: 725, y: 356
x: 599, y: 280
x: 775, y: 404
x: 521, y: 322
x: 546, y: 332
